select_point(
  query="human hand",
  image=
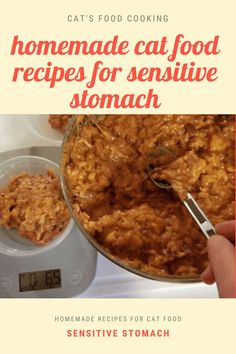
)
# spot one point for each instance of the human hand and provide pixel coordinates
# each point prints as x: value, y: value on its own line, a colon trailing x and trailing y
x: 221, y: 253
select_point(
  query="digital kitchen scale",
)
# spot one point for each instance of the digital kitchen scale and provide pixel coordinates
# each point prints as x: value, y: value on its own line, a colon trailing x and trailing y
x: 64, y: 270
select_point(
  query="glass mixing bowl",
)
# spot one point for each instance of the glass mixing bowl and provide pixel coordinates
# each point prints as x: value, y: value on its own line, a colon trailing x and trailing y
x: 72, y: 130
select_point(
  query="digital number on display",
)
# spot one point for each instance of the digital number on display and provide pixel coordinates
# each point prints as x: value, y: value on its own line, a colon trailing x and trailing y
x: 45, y: 279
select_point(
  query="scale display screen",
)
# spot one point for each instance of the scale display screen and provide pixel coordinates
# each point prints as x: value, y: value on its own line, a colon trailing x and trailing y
x: 41, y: 280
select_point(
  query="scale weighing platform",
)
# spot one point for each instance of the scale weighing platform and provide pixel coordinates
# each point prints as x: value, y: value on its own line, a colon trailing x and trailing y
x: 61, y: 271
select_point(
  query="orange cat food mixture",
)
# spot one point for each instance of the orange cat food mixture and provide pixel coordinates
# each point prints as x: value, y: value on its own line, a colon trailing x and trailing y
x: 34, y: 205
x: 145, y: 227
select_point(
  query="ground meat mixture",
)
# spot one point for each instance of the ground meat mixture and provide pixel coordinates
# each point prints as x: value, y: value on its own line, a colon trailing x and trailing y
x: 143, y: 226
x: 181, y: 174
x: 59, y: 121
x: 34, y: 206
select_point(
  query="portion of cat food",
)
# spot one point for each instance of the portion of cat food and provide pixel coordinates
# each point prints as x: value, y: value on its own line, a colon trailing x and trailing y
x: 34, y: 205
x: 59, y: 121
x: 145, y: 227
x: 181, y: 174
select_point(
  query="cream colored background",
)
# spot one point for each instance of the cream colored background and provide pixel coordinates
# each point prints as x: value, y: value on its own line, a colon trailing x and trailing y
x: 28, y: 326
x: 46, y: 20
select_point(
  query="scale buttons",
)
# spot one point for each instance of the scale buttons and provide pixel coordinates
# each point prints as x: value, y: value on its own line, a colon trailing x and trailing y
x: 74, y: 276
x: 5, y: 284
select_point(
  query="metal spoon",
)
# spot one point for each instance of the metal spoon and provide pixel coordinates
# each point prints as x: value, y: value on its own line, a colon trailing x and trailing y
x: 190, y: 203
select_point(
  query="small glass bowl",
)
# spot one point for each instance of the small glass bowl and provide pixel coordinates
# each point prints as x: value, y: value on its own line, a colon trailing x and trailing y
x: 11, y: 243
